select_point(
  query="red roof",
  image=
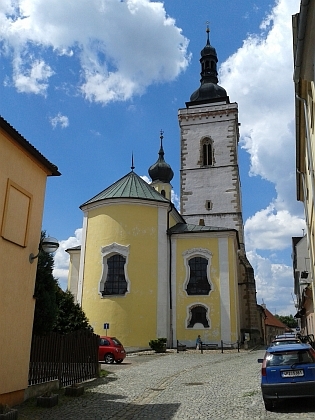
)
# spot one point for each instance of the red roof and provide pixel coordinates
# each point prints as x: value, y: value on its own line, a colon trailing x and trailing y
x: 273, y: 321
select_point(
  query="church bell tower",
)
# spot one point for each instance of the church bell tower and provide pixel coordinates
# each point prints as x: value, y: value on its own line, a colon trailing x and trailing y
x: 209, y: 177
x: 210, y: 188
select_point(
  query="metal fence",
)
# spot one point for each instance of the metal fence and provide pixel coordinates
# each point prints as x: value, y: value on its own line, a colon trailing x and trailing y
x: 70, y: 358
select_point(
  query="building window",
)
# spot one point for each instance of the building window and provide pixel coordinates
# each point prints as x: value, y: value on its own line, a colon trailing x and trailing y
x: 114, y: 280
x: 198, y: 281
x: 198, y: 317
x: 206, y: 152
x: 197, y: 262
x: 208, y: 204
x: 163, y: 193
x: 115, y: 283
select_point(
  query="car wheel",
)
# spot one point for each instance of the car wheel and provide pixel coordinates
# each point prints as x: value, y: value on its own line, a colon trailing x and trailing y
x: 109, y: 358
x: 119, y: 360
x: 268, y: 405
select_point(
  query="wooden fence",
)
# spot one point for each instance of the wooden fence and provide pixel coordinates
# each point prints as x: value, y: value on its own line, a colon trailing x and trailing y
x: 70, y: 358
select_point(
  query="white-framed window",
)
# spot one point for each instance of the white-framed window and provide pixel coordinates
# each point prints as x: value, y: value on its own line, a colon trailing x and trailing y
x: 197, y: 262
x: 114, y: 280
x: 198, y: 316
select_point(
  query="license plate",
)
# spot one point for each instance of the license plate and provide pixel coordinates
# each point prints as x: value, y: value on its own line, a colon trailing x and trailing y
x: 292, y: 373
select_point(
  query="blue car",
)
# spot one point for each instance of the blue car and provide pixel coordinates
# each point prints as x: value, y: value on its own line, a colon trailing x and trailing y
x: 288, y: 371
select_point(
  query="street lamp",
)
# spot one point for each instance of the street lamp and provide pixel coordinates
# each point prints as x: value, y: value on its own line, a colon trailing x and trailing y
x: 48, y: 245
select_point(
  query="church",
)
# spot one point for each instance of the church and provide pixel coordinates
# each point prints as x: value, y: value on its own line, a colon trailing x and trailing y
x: 144, y: 269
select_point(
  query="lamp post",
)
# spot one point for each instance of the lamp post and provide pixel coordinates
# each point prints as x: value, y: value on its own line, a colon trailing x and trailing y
x: 48, y: 245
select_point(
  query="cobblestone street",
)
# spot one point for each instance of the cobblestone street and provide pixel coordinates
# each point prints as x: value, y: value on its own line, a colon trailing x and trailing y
x: 187, y: 385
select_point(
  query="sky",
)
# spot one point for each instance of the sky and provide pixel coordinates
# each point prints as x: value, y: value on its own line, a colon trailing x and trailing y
x: 90, y: 83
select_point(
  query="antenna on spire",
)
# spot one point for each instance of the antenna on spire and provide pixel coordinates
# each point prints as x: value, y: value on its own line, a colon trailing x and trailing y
x: 208, y: 32
x: 132, y: 165
x: 161, y: 136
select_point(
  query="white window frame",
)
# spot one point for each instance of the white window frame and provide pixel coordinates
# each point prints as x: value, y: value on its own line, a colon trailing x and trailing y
x: 107, y: 252
x: 189, y: 315
x: 197, y: 252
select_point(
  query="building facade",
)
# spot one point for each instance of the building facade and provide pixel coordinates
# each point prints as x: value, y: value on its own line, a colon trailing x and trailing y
x: 23, y: 176
x: 149, y: 271
x: 304, y: 77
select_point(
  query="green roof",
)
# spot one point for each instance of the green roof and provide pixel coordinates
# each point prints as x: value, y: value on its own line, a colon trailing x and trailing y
x: 130, y: 186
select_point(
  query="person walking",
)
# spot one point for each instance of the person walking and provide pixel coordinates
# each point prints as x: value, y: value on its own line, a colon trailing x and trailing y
x: 198, y: 342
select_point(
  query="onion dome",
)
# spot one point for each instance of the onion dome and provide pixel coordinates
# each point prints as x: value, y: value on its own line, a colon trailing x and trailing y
x: 161, y: 171
x: 209, y: 90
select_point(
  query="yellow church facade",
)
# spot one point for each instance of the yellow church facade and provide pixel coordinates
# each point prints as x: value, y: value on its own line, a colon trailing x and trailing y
x: 146, y: 274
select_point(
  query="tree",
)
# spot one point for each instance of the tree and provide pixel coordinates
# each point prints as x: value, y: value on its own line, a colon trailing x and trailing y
x: 70, y: 316
x: 288, y: 320
x: 55, y: 309
x: 45, y: 294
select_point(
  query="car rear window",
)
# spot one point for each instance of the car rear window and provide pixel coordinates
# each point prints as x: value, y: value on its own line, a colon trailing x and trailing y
x: 290, y: 357
x: 279, y: 342
x: 116, y: 341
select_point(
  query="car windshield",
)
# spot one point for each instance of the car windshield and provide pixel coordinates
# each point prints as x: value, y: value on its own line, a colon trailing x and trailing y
x: 289, y: 358
x: 116, y: 341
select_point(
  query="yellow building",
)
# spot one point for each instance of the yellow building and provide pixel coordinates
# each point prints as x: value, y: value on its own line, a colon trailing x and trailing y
x: 146, y: 271
x: 304, y: 77
x: 22, y: 190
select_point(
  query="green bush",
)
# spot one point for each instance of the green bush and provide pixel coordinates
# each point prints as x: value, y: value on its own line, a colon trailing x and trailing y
x: 158, y: 345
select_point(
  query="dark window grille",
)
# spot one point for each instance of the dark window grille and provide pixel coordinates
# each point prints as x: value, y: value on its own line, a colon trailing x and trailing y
x: 115, y: 283
x: 198, y: 316
x: 198, y: 282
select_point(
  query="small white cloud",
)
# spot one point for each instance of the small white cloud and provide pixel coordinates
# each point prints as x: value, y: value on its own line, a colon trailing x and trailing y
x: 95, y: 133
x: 60, y: 120
x: 31, y: 76
x: 146, y: 179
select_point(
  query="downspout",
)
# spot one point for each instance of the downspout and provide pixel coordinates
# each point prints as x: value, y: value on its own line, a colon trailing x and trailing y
x: 170, y: 275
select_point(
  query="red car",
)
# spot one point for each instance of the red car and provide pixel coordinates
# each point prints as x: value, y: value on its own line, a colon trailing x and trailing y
x: 111, y: 350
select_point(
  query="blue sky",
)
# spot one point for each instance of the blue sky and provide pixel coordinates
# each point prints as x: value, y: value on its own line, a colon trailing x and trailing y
x: 89, y: 82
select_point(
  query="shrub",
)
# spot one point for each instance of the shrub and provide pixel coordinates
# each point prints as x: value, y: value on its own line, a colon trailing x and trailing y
x: 159, y: 345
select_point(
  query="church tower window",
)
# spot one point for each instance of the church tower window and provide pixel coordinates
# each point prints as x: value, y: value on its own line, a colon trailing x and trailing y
x: 207, y: 152
x: 198, y: 317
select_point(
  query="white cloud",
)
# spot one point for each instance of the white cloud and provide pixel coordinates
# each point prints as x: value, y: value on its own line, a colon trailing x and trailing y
x: 61, y: 258
x: 259, y: 76
x: 272, y: 230
x: 122, y: 47
x: 31, y: 75
x: 59, y: 119
x: 273, y: 284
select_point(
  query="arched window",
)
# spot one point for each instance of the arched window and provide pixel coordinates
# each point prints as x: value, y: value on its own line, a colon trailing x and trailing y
x: 207, y: 152
x: 115, y: 283
x: 198, y: 280
x: 198, y: 315
x: 197, y: 262
x: 114, y: 279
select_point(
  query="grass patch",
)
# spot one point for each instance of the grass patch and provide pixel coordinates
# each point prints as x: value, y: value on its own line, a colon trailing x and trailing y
x: 104, y: 373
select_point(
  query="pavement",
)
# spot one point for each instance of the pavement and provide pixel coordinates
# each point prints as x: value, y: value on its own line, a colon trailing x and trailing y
x: 174, y: 386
